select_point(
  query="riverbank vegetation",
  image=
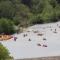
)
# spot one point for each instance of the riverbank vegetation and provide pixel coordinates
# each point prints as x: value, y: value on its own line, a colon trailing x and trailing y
x: 23, y: 13
x: 4, y: 53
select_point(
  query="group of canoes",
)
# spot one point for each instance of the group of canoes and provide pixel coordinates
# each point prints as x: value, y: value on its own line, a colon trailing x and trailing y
x: 7, y: 37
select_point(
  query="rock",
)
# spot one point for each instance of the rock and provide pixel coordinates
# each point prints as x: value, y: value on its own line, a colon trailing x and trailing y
x: 38, y: 44
x: 44, y: 38
x: 29, y: 39
x: 44, y: 45
x: 40, y: 34
x: 35, y: 31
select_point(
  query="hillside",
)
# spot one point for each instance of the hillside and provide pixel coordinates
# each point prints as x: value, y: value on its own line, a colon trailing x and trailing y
x: 24, y: 13
x: 29, y: 29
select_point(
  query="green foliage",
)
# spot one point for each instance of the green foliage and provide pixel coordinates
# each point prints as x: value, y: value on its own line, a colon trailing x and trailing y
x: 43, y: 11
x: 58, y: 1
x: 37, y: 6
x: 57, y: 11
x: 47, y: 13
x: 7, y: 9
x: 6, y: 26
x: 53, y: 3
x: 4, y: 53
x: 36, y: 19
x: 22, y: 14
x: 27, y: 12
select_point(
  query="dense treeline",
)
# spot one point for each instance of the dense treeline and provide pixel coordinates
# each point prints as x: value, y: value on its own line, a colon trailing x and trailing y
x: 28, y: 12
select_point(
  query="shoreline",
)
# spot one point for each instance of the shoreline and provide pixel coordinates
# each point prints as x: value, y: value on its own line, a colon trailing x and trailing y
x: 42, y: 58
x: 29, y: 46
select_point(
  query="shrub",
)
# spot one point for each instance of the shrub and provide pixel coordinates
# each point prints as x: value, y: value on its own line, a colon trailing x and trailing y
x: 6, y: 26
x: 36, y: 20
x: 4, y: 53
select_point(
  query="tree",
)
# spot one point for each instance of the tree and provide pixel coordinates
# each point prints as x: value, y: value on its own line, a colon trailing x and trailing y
x: 57, y: 11
x: 37, y: 6
x: 27, y: 2
x: 43, y: 11
x: 7, y: 9
x: 36, y: 19
x: 22, y: 13
x: 58, y: 1
x: 4, y: 53
x: 53, y: 3
x: 6, y: 26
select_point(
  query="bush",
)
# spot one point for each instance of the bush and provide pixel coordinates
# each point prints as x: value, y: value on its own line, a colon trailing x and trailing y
x: 7, y: 9
x: 4, y: 53
x: 6, y: 26
x: 36, y: 20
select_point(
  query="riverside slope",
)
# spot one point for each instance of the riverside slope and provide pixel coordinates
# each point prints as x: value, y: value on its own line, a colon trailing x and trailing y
x: 23, y: 48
